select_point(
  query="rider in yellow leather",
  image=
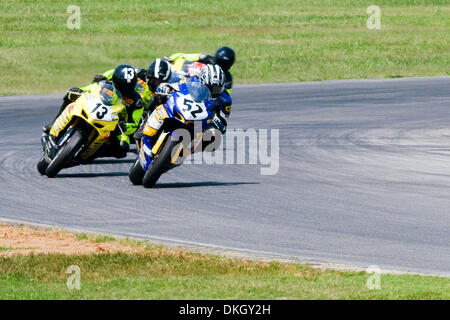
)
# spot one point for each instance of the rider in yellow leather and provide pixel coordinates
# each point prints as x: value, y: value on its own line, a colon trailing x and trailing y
x: 146, y: 84
x: 118, y: 91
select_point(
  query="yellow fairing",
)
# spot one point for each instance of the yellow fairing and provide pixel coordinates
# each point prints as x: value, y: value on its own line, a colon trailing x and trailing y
x: 79, y: 110
x: 176, y: 154
x: 178, y: 64
x: 158, y: 143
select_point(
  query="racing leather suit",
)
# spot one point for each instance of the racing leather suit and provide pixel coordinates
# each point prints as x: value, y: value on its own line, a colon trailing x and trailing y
x: 156, y: 118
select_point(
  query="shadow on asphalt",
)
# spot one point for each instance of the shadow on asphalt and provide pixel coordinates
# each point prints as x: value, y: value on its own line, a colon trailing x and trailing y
x: 198, y: 184
x: 109, y: 161
x: 92, y: 175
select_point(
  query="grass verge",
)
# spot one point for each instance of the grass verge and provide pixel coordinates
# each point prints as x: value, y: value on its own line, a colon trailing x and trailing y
x: 275, y: 41
x: 143, y: 271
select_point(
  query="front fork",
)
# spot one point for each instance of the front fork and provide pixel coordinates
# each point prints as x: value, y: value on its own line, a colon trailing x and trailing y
x: 51, y: 145
x: 148, y: 149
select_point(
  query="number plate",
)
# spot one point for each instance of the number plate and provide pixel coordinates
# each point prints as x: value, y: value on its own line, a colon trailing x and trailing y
x: 192, y: 110
x: 99, y: 111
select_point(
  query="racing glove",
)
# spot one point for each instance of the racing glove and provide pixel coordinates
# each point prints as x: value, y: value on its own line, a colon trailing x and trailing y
x: 171, y: 61
x: 207, y: 59
x: 141, y: 73
x: 73, y: 94
x: 99, y: 77
x: 164, y: 89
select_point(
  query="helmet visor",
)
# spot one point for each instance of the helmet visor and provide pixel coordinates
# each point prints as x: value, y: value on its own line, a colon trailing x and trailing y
x: 153, y: 83
x: 216, y: 91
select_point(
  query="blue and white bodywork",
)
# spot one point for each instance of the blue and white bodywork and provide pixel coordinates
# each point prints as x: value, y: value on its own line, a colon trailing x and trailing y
x: 190, y: 105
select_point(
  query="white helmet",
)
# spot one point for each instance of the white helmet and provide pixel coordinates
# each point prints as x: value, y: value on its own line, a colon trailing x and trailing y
x: 213, y: 77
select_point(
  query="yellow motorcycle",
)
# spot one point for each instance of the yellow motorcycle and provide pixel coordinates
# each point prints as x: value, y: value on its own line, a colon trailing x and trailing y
x: 81, y: 129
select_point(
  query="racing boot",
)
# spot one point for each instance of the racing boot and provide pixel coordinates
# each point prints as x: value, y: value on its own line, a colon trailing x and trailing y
x: 137, y: 136
x: 211, y: 140
x: 212, y: 136
x: 115, y: 148
x: 50, y: 145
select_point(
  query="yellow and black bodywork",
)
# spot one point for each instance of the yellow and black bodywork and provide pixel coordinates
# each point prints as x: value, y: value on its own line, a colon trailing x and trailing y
x: 98, y: 116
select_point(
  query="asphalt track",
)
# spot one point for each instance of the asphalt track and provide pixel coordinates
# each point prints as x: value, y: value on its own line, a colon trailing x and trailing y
x: 364, y: 178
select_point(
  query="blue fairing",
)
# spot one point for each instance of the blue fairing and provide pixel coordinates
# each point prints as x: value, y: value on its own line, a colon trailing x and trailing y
x: 192, y: 89
x: 147, y: 147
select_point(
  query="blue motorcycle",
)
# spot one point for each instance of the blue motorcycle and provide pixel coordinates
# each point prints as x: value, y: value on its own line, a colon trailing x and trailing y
x: 182, y: 119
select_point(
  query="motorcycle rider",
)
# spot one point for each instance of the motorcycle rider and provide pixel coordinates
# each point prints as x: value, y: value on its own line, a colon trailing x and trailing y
x: 224, y: 57
x: 148, y: 81
x: 214, y: 78
x: 158, y: 72
x: 150, y: 86
x: 119, y: 90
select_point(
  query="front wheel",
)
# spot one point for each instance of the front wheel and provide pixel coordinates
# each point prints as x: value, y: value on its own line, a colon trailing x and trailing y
x: 160, y: 163
x: 136, y: 173
x: 42, y: 165
x: 65, y: 154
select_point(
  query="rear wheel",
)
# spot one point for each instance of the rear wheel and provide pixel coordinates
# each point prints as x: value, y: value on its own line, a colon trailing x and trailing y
x: 65, y: 154
x: 160, y: 164
x: 136, y: 173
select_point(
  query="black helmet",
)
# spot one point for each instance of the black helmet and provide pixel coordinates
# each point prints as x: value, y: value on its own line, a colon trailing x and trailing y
x: 158, y: 72
x: 124, y: 80
x: 225, y: 58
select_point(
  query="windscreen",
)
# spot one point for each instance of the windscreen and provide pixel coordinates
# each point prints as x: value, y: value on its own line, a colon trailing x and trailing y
x: 198, y: 91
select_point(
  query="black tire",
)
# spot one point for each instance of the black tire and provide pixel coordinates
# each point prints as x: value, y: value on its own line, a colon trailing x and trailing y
x: 160, y: 163
x: 136, y: 173
x: 65, y: 154
x: 42, y: 165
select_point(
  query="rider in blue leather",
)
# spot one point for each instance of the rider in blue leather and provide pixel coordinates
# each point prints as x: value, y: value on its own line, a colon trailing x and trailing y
x: 213, y: 77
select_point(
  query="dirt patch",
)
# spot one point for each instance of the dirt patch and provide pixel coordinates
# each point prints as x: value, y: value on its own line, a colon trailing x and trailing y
x: 26, y: 240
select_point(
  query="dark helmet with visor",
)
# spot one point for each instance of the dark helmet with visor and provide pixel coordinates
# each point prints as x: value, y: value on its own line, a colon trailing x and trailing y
x: 158, y: 72
x: 124, y: 80
x: 225, y: 58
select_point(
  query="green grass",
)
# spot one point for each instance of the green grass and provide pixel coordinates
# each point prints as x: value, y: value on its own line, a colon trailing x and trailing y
x: 275, y: 40
x: 100, y: 239
x: 5, y: 248
x: 82, y: 236
x: 159, y: 275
